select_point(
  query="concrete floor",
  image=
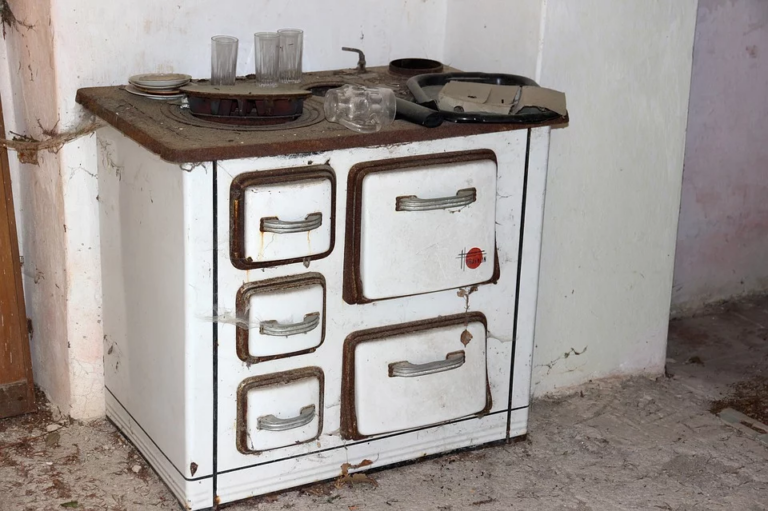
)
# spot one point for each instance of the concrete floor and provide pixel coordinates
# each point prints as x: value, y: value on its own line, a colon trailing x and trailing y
x: 612, y: 445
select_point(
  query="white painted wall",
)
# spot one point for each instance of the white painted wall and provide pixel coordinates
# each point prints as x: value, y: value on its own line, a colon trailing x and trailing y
x: 493, y: 35
x: 615, y: 172
x: 614, y: 182
x: 723, y: 234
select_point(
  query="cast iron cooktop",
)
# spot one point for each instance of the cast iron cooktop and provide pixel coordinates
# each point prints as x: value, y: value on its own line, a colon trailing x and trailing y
x: 174, y: 137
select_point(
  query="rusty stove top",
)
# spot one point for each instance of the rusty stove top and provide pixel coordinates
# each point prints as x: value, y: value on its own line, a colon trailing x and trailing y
x: 177, y: 137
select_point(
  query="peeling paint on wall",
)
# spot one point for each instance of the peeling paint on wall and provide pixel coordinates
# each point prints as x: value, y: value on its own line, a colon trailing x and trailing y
x: 40, y: 197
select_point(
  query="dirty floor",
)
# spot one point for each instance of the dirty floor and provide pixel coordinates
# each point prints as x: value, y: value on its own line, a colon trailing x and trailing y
x: 613, y: 445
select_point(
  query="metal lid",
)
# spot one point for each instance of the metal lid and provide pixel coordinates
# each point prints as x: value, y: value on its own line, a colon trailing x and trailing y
x: 413, y: 67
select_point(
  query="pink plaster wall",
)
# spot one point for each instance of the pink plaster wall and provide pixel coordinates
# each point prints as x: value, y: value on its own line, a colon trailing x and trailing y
x: 722, y: 248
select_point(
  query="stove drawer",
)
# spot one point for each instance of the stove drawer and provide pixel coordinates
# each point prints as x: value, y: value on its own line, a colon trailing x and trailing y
x: 280, y: 317
x: 280, y: 409
x: 420, y: 224
x: 414, y: 374
x: 282, y: 216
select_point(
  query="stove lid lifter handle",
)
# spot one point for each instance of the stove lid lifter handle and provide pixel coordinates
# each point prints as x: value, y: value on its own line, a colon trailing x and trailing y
x: 360, y: 58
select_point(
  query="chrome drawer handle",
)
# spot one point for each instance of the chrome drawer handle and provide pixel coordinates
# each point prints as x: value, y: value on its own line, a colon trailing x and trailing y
x: 408, y: 370
x: 462, y: 198
x: 277, y: 226
x: 272, y: 423
x: 272, y: 327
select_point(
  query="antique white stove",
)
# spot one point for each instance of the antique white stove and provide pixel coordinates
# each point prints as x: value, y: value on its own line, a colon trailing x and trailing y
x: 302, y: 299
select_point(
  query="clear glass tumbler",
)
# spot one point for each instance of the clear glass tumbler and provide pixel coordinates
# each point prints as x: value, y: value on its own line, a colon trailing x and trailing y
x: 361, y: 109
x: 267, y: 58
x: 291, y: 49
x: 223, y: 60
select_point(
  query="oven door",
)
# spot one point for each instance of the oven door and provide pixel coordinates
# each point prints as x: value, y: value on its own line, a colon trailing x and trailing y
x: 412, y: 375
x: 420, y: 224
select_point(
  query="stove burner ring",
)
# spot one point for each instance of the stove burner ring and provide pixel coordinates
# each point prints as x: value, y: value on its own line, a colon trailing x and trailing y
x: 312, y: 114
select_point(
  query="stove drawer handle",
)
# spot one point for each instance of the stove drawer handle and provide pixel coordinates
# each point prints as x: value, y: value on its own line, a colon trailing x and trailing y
x: 277, y: 226
x: 272, y: 423
x: 463, y: 197
x: 407, y: 370
x: 274, y: 328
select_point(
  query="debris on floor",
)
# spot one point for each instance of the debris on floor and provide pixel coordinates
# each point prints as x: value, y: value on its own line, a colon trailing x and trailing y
x: 749, y: 397
x: 347, y: 479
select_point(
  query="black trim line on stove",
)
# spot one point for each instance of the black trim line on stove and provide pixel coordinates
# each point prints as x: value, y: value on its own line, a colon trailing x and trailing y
x: 215, y: 327
x: 517, y: 282
x: 368, y: 440
x: 190, y: 479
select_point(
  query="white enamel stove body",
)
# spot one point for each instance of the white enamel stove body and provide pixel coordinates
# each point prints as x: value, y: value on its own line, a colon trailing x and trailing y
x: 367, y: 302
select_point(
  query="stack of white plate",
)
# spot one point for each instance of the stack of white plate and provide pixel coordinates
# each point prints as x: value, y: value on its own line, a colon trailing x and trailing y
x: 163, y: 86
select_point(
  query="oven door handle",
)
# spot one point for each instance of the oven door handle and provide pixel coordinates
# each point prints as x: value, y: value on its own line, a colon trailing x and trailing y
x: 274, y: 328
x: 407, y: 370
x: 277, y: 226
x: 463, y: 197
x: 272, y: 423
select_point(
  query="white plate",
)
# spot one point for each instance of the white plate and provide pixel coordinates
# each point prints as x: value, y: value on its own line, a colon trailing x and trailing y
x: 160, y: 80
x: 154, y: 87
x: 144, y: 87
x: 137, y: 92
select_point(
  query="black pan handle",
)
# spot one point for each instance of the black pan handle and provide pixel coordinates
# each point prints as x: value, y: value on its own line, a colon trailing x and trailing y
x: 418, y: 114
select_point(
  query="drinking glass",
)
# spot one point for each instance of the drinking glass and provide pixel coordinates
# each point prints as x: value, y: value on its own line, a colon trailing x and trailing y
x: 223, y: 60
x: 267, y: 58
x: 291, y: 47
x: 361, y: 109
